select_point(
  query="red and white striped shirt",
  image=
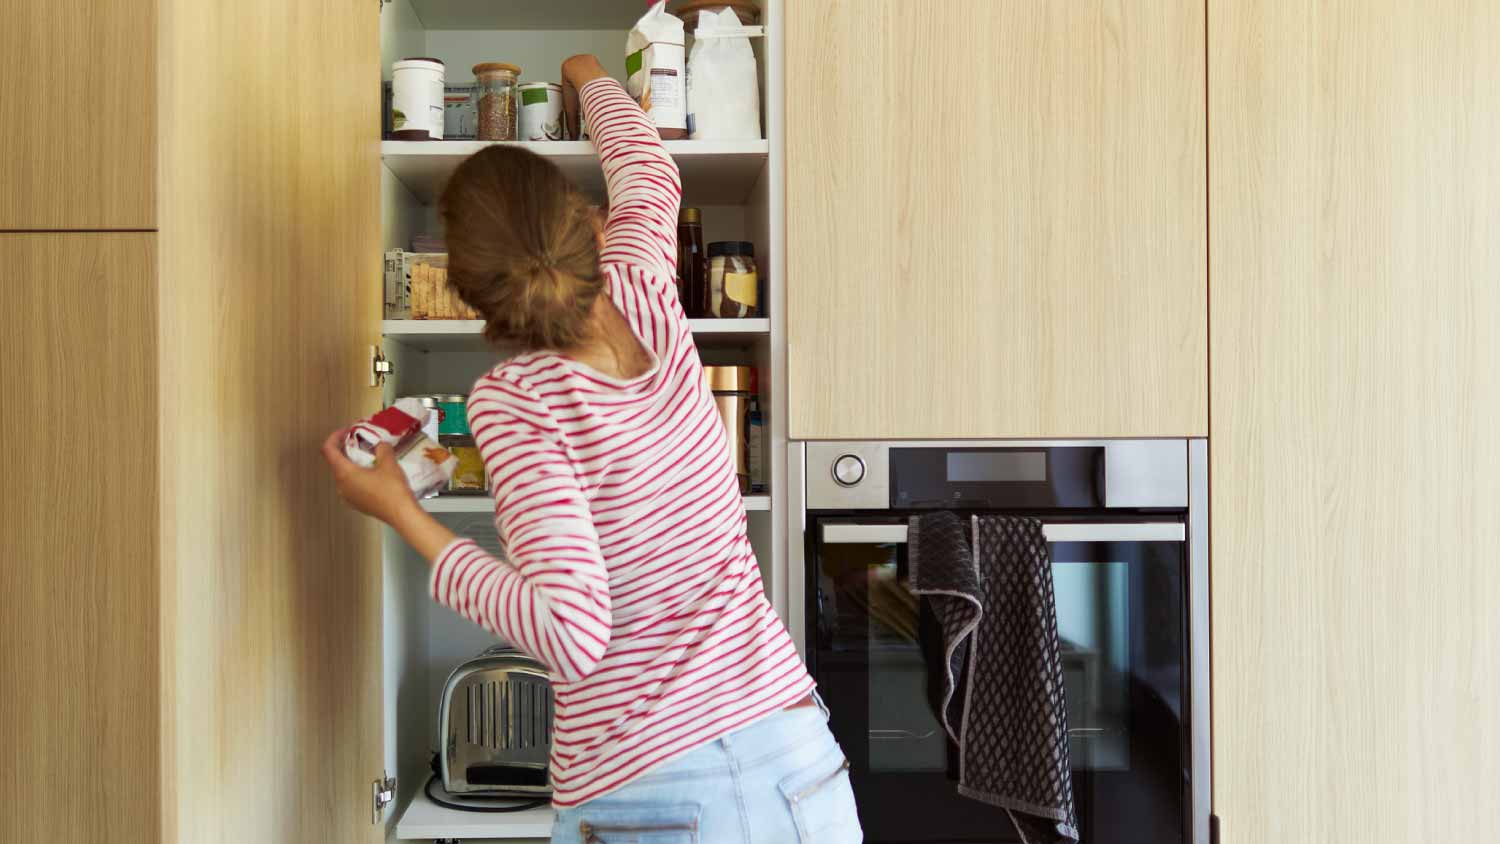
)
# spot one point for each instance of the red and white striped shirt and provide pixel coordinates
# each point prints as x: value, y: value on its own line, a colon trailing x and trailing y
x: 628, y: 571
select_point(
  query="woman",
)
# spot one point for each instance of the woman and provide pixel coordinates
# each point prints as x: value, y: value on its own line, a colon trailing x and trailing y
x: 683, y: 710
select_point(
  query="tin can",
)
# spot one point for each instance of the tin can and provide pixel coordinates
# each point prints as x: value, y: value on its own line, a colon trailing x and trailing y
x: 454, y: 434
x: 453, y: 414
x: 541, y: 112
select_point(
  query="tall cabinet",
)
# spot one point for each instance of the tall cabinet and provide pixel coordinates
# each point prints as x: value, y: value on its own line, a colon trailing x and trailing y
x: 1355, y: 200
x: 995, y: 219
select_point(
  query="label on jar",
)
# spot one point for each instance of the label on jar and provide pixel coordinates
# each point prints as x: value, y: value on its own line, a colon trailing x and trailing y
x: 742, y: 288
x: 469, y: 476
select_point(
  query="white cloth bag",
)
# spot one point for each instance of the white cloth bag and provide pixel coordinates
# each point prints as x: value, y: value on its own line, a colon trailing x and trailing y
x: 723, y: 90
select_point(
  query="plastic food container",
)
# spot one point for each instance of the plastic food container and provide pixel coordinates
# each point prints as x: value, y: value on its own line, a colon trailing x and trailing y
x: 541, y: 112
x: 417, y: 100
x: 496, y: 100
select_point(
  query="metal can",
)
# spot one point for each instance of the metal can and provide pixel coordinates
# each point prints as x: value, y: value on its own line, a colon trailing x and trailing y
x: 731, y: 388
x: 454, y: 434
x: 453, y: 413
x: 541, y: 112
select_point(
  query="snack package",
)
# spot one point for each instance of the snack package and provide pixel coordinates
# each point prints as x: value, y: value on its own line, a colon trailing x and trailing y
x: 723, y: 87
x: 656, y: 70
x: 427, y: 465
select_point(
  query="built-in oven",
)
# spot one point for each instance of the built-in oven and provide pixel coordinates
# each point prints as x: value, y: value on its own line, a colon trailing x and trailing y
x: 1126, y: 527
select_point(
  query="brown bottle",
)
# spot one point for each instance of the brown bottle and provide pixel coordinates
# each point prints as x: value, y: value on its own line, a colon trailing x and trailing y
x: 692, y: 263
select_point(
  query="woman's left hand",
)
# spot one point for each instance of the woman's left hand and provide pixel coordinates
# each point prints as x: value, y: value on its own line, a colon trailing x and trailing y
x: 380, y: 491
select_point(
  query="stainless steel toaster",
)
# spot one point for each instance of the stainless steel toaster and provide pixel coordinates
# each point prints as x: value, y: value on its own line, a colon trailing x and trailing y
x: 495, y: 720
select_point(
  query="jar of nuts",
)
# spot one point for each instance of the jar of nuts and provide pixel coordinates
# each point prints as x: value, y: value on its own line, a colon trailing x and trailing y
x: 496, y: 92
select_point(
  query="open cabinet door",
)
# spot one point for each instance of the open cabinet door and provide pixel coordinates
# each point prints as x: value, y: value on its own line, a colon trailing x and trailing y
x: 270, y: 300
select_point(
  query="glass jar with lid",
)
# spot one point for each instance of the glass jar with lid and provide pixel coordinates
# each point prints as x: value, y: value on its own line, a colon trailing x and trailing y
x: 495, y: 90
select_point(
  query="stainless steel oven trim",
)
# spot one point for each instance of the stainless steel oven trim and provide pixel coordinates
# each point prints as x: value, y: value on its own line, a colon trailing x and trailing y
x: 849, y: 533
x: 795, y: 615
x: 1199, y: 639
x: 1200, y: 662
x: 1140, y: 472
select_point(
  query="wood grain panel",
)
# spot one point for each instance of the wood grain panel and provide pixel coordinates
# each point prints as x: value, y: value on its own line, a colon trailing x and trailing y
x: 78, y: 629
x: 79, y: 99
x: 1355, y: 282
x: 270, y: 262
x: 995, y: 219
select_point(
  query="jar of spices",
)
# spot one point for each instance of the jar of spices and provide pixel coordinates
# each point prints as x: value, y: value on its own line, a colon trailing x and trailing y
x: 731, y: 386
x: 454, y: 435
x: 692, y: 263
x: 733, y: 286
x: 496, y: 83
x: 417, y: 100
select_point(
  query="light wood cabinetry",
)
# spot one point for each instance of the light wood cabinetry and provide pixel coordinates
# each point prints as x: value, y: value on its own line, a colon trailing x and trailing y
x: 79, y: 99
x: 995, y: 219
x: 79, y: 709
x: 270, y: 268
x: 1355, y: 198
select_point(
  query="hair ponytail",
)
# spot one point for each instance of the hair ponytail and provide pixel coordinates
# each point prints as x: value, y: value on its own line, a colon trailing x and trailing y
x: 522, y: 249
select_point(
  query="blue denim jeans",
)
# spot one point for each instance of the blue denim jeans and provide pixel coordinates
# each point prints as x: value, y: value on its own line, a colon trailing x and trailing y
x: 781, y: 780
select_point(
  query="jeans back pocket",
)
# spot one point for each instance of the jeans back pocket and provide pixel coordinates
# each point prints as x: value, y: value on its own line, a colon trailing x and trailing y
x: 822, y: 802
x: 643, y: 823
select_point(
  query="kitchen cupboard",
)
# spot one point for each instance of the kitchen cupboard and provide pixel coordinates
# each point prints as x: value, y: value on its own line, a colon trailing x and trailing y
x: 228, y: 652
x: 995, y: 219
x: 1354, y: 201
x: 78, y: 88
x: 78, y: 715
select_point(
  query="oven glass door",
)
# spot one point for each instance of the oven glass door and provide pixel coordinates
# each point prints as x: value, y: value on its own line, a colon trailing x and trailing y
x: 1121, y: 619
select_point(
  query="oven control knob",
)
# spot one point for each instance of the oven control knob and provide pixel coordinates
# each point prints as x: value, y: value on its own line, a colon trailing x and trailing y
x: 848, y: 470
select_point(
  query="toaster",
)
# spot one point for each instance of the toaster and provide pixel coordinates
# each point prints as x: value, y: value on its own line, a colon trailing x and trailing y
x: 495, y: 720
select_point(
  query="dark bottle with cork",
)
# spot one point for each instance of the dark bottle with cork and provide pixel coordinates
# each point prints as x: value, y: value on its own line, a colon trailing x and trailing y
x: 692, y: 263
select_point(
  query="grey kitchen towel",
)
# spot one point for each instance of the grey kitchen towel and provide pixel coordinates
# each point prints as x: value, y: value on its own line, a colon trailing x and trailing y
x: 991, y: 593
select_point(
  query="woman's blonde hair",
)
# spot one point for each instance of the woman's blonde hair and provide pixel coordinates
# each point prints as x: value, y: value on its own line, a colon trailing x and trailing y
x: 522, y: 248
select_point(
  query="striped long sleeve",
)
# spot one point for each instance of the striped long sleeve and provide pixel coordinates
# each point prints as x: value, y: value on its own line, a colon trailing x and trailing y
x: 550, y: 597
x: 627, y: 569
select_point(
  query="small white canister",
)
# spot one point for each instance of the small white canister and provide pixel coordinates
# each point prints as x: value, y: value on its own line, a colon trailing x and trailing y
x: 417, y: 100
x: 541, y: 112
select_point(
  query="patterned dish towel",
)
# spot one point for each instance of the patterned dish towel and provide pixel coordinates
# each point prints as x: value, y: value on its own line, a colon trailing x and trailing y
x: 992, y: 597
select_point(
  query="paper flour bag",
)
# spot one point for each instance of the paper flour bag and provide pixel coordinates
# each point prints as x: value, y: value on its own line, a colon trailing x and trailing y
x: 723, y: 92
x: 656, y: 70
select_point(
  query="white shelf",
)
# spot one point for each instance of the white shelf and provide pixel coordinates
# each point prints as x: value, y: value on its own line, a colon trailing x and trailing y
x: 426, y: 820
x: 448, y: 335
x: 527, y: 14
x: 713, y: 172
x: 483, y: 504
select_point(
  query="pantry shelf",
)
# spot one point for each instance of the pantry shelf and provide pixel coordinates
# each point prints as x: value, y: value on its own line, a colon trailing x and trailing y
x: 450, y: 335
x: 483, y: 504
x: 713, y: 172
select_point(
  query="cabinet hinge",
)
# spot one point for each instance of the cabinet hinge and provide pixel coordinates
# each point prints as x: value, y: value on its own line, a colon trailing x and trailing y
x: 379, y: 367
x: 382, y: 793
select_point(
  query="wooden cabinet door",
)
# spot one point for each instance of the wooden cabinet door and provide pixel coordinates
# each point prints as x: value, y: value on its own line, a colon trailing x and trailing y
x: 271, y: 289
x: 1355, y: 200
x: 995, y: 219
x: 79, y: 624
x: 79, y: 99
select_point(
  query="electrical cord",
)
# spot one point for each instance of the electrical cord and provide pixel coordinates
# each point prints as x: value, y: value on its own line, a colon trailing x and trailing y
x: 448, y: 804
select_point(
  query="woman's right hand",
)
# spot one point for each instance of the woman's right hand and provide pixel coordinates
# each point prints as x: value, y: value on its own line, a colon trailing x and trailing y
x: 578, y: 71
